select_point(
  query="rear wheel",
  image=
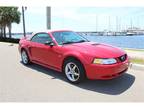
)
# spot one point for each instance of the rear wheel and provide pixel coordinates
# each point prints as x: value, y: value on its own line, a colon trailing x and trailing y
x: 25, y: 57
x: 74, y: 71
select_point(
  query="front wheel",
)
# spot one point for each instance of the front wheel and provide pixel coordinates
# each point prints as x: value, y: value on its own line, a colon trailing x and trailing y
x: 74, y: 71
x: 25, y: 57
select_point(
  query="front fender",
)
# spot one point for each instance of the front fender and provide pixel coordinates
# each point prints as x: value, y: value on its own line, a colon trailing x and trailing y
x: 83, y: 59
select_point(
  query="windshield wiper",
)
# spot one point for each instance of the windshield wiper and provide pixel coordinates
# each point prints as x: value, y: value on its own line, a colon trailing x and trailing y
x: 80, y: 41
x: 68, y: 42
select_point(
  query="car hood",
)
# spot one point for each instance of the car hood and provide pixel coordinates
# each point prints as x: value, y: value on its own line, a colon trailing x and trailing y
x: 96, y: 49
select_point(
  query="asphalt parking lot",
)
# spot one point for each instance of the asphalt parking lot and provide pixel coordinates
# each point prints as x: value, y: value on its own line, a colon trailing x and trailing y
x: 34, y: 83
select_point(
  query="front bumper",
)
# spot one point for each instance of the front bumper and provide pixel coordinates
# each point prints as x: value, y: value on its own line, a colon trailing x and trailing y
x: 96, y: 71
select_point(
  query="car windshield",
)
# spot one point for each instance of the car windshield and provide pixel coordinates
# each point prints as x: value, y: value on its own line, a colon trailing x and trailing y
x: 68, y: 37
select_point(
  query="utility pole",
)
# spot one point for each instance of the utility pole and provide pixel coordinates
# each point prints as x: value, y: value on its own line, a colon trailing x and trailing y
x: 23, y: 17
x: 48, y: 17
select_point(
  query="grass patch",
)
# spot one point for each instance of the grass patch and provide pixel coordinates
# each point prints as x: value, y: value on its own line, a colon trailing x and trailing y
x: 139, y: 50
x: 137, y: 60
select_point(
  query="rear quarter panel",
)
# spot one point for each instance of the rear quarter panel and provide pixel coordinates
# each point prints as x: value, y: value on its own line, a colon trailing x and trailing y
x: 23, y: 44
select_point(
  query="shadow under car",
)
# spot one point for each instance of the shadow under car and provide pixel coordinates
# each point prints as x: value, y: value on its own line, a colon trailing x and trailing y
x: 111, y: 87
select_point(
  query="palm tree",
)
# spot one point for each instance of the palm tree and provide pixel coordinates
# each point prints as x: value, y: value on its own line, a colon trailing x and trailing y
x: 9, y: 15
x: 3, y: 21
x: 14, y: 17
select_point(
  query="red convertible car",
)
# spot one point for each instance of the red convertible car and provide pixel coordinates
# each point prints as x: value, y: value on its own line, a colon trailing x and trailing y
x: 68, y: 52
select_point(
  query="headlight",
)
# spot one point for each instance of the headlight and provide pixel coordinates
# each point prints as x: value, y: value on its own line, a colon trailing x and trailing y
x: 104, y: 61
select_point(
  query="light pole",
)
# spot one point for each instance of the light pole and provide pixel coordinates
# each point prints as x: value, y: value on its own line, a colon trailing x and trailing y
x: 23, y: 17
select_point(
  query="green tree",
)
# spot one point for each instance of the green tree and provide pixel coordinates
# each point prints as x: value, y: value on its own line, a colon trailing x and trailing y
x: 3, y: 21
x: 9, y: 15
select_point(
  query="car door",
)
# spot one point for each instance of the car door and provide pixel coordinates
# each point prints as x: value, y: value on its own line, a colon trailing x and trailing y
x: 38, y: 45
x: 44, y: 53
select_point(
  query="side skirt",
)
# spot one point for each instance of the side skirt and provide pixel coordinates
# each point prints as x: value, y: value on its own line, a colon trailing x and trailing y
x: 47, y: 66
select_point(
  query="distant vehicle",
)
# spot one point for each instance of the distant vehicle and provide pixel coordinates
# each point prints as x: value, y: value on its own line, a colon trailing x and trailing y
x: 68, y: 52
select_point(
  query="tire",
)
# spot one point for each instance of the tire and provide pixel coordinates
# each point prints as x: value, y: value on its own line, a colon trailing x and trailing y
x: 74, y: 71
x: 25, y: 57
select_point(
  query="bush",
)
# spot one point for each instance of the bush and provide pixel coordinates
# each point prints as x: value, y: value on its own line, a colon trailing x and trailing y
x: 11, y: 40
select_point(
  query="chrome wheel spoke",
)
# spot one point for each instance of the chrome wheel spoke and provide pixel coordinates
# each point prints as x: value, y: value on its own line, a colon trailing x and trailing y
x: 73, y: 76
x: 68, y: 73
x: 74, y: 68
x: 69, y: 67
x: 76, y: 74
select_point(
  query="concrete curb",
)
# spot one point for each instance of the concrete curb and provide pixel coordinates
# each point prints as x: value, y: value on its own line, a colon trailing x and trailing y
x: 137, y: 67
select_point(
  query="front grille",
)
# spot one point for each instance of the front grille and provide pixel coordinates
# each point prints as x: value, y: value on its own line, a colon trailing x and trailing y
x: 122, y: 58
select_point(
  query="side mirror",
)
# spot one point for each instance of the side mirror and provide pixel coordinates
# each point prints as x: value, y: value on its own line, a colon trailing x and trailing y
x: 49, y: 43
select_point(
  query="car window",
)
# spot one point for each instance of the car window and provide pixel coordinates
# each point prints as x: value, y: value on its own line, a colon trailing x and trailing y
x: 41, y: 38
x: 58, y: 37
x: 68, y: 37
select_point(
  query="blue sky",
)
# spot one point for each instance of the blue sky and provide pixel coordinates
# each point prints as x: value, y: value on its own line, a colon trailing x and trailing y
x: 83, y: 18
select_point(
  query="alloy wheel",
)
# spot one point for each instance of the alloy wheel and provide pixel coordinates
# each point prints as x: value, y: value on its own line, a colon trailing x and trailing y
x: 72, y: 72
x: 24, y: 57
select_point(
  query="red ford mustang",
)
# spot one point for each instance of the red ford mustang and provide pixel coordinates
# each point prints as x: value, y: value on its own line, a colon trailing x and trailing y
x: 68, y: 52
